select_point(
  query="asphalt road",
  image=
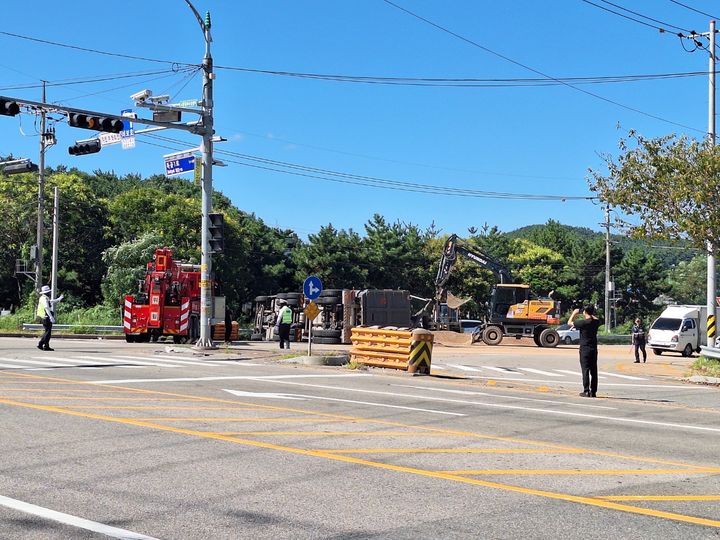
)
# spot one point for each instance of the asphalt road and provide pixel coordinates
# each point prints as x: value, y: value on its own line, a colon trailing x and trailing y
x: 107, y: 439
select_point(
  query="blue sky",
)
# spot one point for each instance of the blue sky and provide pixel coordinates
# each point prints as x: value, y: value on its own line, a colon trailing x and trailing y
x: 528, y: 140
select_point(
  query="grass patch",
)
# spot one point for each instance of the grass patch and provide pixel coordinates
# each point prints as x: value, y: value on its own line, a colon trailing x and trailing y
x: 354, y: 364
x: 708, y: 367
x: 288, y: 356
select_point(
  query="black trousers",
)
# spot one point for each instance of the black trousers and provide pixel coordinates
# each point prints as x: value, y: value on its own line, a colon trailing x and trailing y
x: 588, y: 366
x: 47, y: 334
x: 284, y: 333
x: 640, y: 346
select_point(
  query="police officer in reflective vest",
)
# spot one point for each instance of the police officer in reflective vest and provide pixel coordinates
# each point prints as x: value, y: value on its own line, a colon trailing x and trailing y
x: 46, y: 312
x: 285, y: 318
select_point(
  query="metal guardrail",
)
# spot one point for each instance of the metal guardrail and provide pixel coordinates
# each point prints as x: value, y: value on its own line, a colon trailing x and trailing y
x: 95, y: 327
x: 710, y: 352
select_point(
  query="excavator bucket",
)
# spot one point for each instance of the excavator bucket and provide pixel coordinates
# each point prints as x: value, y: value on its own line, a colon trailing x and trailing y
x: 454, y: 302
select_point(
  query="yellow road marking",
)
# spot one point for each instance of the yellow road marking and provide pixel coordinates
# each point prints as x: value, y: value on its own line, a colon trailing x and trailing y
x: 386, y: 466
x: 159, y: 408
x: 350, y: 433
x: 44, y: 390
x: 452, y: 451
x: 661, y: 498
x: 583, y: 471
x: 76, y: 398
x: 231, y: 419
x: 355, y: 419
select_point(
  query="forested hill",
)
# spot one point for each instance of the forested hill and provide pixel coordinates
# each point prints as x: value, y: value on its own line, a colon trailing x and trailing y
x: 110, y: 226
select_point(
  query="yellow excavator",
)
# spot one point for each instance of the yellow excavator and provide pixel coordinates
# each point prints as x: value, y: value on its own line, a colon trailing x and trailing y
x: 514, y: 311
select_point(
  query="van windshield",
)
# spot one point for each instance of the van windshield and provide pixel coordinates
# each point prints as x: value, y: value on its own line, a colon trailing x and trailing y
x: 666, y: 324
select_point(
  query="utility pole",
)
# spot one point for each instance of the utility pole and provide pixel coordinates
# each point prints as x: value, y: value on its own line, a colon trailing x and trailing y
x: 206, y: 296
x: 710, y: 248
x: 41, y: 199
x: 607, y: 269
x: 55, y: 243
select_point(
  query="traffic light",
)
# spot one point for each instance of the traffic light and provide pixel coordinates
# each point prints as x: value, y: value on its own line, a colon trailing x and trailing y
x: 99, y: 123
x: 217, y: 226
x: 19, y: 168
x: 9, y: 108
x: 85, y: 147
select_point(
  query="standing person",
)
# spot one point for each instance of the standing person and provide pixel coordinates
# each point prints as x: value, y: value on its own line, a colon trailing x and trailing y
x: 46, y: 312
x: 638, y: 340
x: 285, y: 317
x: 228, y: 325
x: 588, y: 327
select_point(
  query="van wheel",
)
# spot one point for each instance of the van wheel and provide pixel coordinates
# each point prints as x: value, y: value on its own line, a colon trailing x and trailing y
x: 687, y: 351
x: 657, y: 352
x: 567, y: 340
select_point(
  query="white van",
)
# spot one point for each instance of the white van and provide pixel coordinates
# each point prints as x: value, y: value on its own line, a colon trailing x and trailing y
x: 680, y: 329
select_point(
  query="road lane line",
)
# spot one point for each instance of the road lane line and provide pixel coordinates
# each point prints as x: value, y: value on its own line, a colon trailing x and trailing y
x: 626, y: 385
x: 12, y: 366
x: 73, y: 521
x: 231, y: 378
x: 540, y: 372
x: 575, y: 373
x: 616, y: 419
x: 371, y: 403
x: 661, y: 498
x: 630, y: 377
x: 451, y: 451
x: 548, y: 472
x: 148, y: 362
x: 502, y: 396
x: 166, y: 358
x: 502, y: 369
x: 566, y: 497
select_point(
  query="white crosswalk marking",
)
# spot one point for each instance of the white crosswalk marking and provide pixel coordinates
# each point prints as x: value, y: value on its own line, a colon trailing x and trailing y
x: 191, y: 362
x: 464, y: 368
x: 11, y: 366
x: 502, y: 370
x: 622, y: 376
x: 540, y: 372
x: 576, y: 373
x: 136, y: 360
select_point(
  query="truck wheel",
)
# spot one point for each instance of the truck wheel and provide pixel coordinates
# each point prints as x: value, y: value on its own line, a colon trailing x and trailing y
x: 322, y: 332
x: 326, y: 340
x: 567, y: 340
x: 492, y: 335
x: 331, y: 292
x: 129, y: 338
x: 549, y: 338
x: 328, y: 300
x: 657, y: 352
x: 293, y: 295
x: 687, y: 351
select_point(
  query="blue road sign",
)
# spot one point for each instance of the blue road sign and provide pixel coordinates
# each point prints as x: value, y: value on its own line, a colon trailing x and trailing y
x: 312, y: 287
x: 179, y: 163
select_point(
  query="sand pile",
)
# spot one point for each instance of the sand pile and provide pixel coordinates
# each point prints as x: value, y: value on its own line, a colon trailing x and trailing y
x: 444, y: 337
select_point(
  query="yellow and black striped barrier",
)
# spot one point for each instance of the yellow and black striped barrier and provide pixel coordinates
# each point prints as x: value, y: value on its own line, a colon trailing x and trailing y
x: 421, y: 345
x: 394, y: 348
x: 711, y: 330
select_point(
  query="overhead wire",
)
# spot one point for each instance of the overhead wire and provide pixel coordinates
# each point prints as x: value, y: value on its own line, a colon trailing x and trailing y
x: 91, y: 80
x: 643, y: 16
x: 94, y: 51
x: 538, y: 72
x: 695, y: 10
x: 367, y: 181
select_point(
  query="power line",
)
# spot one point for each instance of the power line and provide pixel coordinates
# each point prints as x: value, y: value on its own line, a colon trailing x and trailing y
x: 695, y: 10
x: 368, y: 181
x: 538, y: 72
x: 91, y: 80
x: 637, y: 14
x: 94, y: 51
x: 467, y: 81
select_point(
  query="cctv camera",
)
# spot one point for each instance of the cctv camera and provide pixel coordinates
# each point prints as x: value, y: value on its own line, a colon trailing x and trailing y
x: 142, y: 95
x: 159, y: 99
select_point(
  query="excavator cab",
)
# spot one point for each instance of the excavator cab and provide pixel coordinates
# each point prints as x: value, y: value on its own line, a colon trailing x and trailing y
x: 507, y: 299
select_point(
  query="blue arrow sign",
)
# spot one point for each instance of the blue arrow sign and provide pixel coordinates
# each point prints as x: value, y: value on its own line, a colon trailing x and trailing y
x: 312, y: 287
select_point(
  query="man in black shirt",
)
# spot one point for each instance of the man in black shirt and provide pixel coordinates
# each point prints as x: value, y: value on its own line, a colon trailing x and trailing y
x: 588, y: 348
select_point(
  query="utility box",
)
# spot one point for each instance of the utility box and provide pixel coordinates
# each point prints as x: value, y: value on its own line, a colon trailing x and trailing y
x: 385, y: 307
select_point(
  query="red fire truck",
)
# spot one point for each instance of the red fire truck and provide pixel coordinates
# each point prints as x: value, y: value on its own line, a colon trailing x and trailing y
x: 167, y: 303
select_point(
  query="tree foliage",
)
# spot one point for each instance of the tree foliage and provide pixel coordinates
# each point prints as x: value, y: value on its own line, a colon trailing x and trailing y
x: 671, y: 184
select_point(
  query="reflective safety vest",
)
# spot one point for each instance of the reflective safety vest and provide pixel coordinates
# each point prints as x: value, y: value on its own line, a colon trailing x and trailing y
x: 42, y: 307
x: 286, y: 315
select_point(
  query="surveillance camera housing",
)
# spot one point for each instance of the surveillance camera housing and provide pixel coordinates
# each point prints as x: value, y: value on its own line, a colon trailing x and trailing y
x: 142, y: 95
x: 159, y: 99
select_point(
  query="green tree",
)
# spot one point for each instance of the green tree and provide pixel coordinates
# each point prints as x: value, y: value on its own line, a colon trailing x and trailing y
x: 536, y: 266
x: 639, y: 280
x: 687, y: 281
x: 335, y: 256
x: 670, y: 183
